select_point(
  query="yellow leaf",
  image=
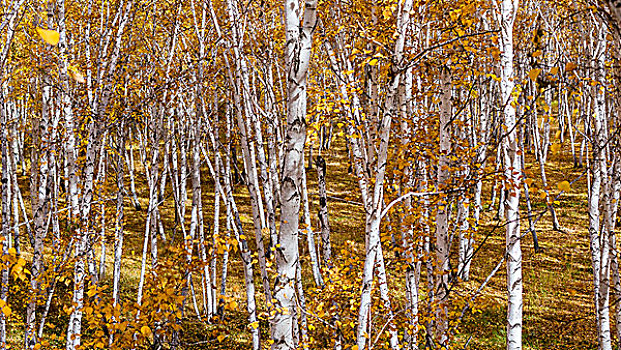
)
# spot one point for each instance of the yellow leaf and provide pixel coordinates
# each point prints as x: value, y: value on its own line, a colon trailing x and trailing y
x: 455, y: 14
x: 221, y: 337
x: 373, y: 62
x: 555, y: 147
x: 12, y: 251
x: 528, y: 182
x: 554, y: 70
x: 6, y: 311
x: 387, y: 13
x: 68, y: 310
x: 570, y: 66
x: 534, y: 73
x: 146, y: 331
x: 493, y: 76
x: 542, y: 195
x: 49, y: 36
x: 564, y: 186
x: 76, y: 75
x: 355, y: 347
x: 255, y: 325
x: 558, y: 134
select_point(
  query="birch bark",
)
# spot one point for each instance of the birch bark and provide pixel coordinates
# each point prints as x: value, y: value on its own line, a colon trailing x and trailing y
x: 5, y: 181
x: 298, y: 38
x: 599, y: 236
x: 374, y: 203
x: 81, y: 210
x: 442, y: 215
x: 512, y: 173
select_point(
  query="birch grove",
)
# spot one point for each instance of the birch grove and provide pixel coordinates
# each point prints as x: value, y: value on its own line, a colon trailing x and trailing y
x: 402, y: 174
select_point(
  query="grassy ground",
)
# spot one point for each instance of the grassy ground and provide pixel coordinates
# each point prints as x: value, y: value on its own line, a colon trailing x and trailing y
x: 558, y: 310
x: 558, y: 296
x: 558, y: 301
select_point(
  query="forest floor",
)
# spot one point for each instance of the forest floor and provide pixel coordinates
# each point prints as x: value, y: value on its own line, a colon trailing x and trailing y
x: 558, y: 310
x: 558, y: 286
x: 558, y: 301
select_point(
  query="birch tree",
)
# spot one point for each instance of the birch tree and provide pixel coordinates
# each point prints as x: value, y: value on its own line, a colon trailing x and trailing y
x: 299, y: 39
x: 512, y: 173
x: 599, y: 234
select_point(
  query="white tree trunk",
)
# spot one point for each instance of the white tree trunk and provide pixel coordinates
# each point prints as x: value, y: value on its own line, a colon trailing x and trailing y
x: 442, y: 215
x: 598, y: 234
x: 40, y: 212
x: 512, y: 173
x: 5, y: 180
x: 298, y: 53
x: 373, y: 206
x: 247, y: 262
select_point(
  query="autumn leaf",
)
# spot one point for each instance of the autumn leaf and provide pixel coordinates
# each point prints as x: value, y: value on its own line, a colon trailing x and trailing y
x: 534, y: 73
x: 373, y: 62
x: 455, y: 14
x: 146, y: 331
x: 91, y: 292
x: 49, y: 36
x: 75, y: 74
x: 564, y: 186
x: 542, y: 195
x: 221, y: 337
x: 528, y: 182
x: 68, y: 310
x: 493, y: 76
x: 555, y: 147
x: 6, y: 311
x: 570, y: 66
